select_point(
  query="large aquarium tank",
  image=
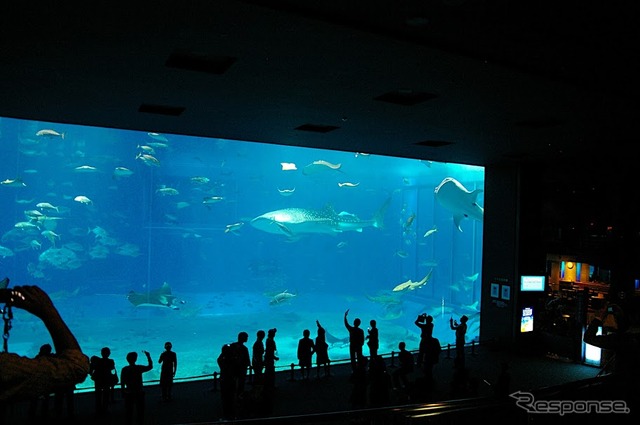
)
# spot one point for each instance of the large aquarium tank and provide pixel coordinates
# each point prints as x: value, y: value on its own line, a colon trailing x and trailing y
x: 141, y: 238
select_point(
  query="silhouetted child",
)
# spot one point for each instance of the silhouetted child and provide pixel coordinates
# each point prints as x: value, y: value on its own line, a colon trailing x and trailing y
x: 405, y: 367
x: 379, y: 382
x: 306, y: 348
x: 373, y: 342
x: 105, y: 376
x: 257, y: 357
x: 431, y: 356
x: 169, y: 361
x: 322, y: 351
x: 503, y: 383
x: 359, y: 381
x: 133, y: 388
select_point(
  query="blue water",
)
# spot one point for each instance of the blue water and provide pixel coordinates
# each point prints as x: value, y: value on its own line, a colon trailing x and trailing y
x: 133, y: 233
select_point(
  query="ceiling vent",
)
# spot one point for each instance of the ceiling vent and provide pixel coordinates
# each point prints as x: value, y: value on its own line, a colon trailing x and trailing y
x: 406, y: 97
x: 199, y: 62
x: 317, y: 128
x: 434, y: 143
x: 172, y: 111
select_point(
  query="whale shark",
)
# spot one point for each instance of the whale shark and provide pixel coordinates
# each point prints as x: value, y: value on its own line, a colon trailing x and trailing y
x: 293, y: 222
x: 453, y: 196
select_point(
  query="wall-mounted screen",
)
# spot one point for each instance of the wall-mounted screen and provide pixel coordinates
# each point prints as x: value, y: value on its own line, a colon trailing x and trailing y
x: 532, y: 283
x: 142, y: 238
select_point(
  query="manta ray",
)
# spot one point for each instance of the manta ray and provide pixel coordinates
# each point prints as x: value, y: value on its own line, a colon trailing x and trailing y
x: 293, y: 222
x: 161, y: 297
x: 452, y: 195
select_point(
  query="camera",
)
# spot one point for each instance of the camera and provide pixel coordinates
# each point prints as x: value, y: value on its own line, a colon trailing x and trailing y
x: 5, y: 295
x: 422, y: 317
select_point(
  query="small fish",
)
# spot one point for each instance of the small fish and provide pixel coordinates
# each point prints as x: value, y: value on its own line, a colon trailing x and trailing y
x: 361, y: 154
x: 5, y: 252
x: 348, y: 184
x: 472, y: 278
x: 182, y: 204
x: 212, y: 200
x: 341, y: 244
x: 233, y: 228
x: 149, y: 160
x: 46, y: 206
x: 431, y: 231
x: 85, y: 169
x: 25, y: 225
x: 49, y: 133
x: 83, y: 200
x: 402, y: 254
x: 409, y: 221
x: 51, y: 235
x: 13, y: 183
x: 167, y: 191
x: 158, y: 145
x: 284, y: 229
x: 119, y: 172
x: 158, y: 136
x: 286, y: 192
x: 199, y: 180
x: 146, y: 149
x: 288, y: 166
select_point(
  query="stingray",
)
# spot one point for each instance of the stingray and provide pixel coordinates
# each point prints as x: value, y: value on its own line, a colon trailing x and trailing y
x: 161, y: 297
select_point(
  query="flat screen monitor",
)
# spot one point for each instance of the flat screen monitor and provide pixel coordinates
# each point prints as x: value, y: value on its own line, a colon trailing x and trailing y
x: 532, y: 283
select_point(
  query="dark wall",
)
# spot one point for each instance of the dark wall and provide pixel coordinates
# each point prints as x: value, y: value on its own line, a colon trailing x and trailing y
x: 500, y: 257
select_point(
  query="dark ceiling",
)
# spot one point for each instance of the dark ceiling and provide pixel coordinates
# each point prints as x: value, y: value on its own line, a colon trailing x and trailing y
x: 479, y: 82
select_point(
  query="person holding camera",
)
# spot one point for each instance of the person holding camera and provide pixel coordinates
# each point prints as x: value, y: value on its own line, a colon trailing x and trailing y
x: 24, y: 378
x: 425, y: 323
x: 461, y: 332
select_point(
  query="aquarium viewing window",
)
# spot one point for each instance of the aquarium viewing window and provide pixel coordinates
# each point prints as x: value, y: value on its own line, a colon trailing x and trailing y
x: 141, y: 238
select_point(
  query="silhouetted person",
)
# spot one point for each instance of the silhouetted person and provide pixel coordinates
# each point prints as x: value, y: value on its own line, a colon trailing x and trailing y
x: 425, y: 323
x: 169, y: 365
x: 270, y: 359
x: 373, y: 342
x: 133, y: 388
x: 503, y: 383
x: 461, y: 331
x: 227, y: 382
x: 359, y: 382
x: 379, y: 382
x: 356, y: 341
x: 431, y: 357
x: 242, y: 361
x: 306, y: 348
x: 257, y: 357
x: 463, y: 385
x: 322, y: 351
x: 405, y: 367
x: 105, y: 377
x: 45, y: 351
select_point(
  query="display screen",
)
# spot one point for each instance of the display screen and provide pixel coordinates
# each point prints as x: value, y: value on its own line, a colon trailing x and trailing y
x: 142, y: 238
x: 526, y: 321
x: 532, y: 283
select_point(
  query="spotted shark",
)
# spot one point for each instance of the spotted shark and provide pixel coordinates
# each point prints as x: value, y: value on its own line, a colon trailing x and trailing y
x: 453, y: 196
x: 293, y: 222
